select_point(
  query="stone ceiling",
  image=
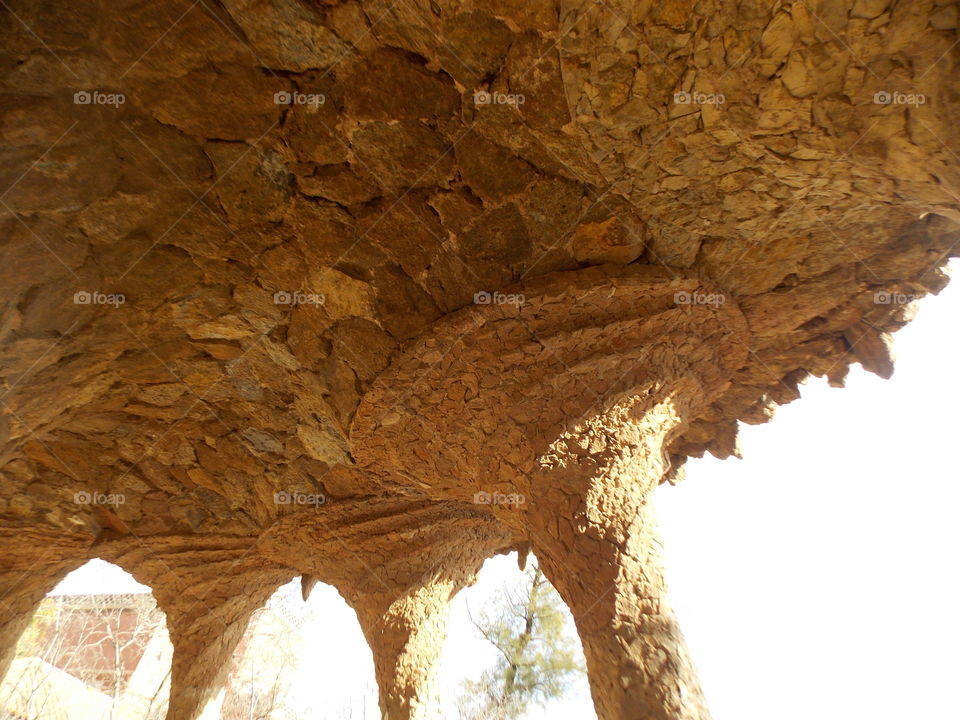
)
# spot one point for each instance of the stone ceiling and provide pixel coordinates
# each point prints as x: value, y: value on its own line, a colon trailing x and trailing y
x: 262, y: 256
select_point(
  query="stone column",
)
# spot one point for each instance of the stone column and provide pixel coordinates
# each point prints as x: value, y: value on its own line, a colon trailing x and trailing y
x: 596, y: 540
x: 403, y: 607
x: 406, y: 638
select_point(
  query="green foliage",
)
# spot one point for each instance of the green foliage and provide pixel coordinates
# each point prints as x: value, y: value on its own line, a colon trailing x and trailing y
x: 537, y: 655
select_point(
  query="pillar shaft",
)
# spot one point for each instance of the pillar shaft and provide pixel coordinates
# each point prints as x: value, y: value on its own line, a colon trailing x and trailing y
x: 638, y: 664
x: 593, y: 529
x: 406, y: 638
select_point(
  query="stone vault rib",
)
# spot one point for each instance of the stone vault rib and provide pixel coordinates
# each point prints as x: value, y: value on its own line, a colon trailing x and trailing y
x: 582, y: 384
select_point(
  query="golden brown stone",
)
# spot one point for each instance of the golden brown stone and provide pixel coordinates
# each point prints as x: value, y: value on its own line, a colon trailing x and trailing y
x: 370, y: 291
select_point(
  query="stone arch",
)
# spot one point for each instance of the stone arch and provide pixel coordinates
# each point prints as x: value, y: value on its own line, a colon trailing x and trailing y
x: 97, y: 645
x: 397, y: 563
x: 208, y: 591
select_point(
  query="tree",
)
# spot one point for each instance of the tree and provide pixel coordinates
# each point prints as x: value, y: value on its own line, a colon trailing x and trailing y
x: 537, y: 656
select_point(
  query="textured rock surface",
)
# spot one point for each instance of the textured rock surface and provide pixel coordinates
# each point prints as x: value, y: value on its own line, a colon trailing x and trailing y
x: 371, y: 291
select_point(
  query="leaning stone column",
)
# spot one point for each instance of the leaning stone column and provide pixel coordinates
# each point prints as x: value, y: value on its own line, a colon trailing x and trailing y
x: 596, y: 539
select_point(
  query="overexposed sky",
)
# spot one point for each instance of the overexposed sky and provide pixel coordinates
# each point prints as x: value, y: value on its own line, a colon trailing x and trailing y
x: 815, y: 578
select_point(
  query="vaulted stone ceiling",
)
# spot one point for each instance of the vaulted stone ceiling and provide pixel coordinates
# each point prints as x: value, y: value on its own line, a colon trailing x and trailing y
x: 370, y: 291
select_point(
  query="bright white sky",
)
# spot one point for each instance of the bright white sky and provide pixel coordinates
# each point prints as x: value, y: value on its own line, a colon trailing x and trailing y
x: 816, y: 578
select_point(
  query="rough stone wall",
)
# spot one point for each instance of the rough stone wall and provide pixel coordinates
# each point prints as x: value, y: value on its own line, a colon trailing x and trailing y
x: 288, y: 283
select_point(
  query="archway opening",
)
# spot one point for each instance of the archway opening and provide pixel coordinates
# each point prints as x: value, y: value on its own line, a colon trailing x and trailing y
x: 300, y: 658
x: 511, y: 629
x: 96, y: 648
